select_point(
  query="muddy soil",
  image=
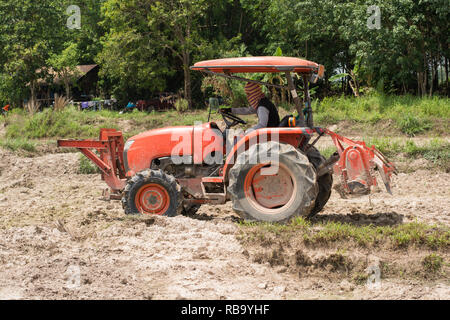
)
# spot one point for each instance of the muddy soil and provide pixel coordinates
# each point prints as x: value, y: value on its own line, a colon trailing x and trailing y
x: 60, y: 240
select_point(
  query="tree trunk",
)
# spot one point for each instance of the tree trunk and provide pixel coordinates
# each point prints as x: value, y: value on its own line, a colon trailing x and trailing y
x: 418, y: 84
x: 306, y: 49
x: 32, y: 107
x: 425, y: 76
x: 432, y: 81
x: 240, y: 21
x: 187, y: 78
x: 436, y: 71
x: 446, y: 75
x: 422, y: 83
x: 354, y: 84
x: 33, y: 91
x: 433, y: 76
x: 67, y: 87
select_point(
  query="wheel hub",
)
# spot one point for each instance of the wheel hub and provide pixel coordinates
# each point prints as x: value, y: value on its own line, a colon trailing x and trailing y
x: 152, y: 199
x: 269, y: 191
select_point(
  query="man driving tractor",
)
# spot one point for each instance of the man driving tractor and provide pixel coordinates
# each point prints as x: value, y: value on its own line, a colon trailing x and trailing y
x: 266, y: 111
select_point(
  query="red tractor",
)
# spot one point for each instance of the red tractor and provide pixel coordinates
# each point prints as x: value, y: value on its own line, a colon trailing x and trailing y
x: 270, y: 174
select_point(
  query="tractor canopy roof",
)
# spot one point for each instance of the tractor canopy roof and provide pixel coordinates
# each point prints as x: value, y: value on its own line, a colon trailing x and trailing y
x: 260, y: 64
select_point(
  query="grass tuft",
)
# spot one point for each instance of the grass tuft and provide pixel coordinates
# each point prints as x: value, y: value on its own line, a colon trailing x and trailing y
x: 86, y: 166
x: 326, y: 233
x: 432, y: 263
x: 18, y: 144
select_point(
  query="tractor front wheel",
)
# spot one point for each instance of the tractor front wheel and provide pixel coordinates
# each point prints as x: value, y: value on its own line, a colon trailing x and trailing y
x: 152, y: 192
x: 274, y: 190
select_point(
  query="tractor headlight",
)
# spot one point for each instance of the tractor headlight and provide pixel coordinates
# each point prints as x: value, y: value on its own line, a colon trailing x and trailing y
x: 125, y: 154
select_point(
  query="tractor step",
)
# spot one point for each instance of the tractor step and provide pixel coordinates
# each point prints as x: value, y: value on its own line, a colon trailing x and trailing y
x: 214, y: 189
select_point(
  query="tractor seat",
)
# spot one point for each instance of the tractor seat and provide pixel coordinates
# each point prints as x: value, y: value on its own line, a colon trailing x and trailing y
x: 214, y: 125
x: 285, y: 121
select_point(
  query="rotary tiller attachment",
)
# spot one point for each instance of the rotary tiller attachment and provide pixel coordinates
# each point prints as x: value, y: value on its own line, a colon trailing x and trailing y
x: 357, y: 164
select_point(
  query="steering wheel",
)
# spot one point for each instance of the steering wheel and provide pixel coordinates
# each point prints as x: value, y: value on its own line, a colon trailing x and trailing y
x: 235, y: 120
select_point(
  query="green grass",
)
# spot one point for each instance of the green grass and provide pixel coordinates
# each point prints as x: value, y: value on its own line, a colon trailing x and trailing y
x: 18, y: 144
x: 432, y: 263
x: 71, y: 123
x: 331, y: 232
x: 46, y: 124
x: 86, y: 166
x: 437, y: 151
x: 328, y: 151
x: 411, y: 115
x: 412, y: 125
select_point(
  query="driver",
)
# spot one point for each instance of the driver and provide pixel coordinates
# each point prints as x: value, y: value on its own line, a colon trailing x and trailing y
x: 266, y: 111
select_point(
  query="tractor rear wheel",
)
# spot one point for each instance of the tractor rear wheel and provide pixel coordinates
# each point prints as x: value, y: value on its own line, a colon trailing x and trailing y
x: 290, y: 188
x: 325, y: 182
x: 152, y: 192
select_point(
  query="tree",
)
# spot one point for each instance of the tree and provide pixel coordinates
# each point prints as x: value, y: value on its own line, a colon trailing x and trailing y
x: 65, y: 65
x: 30, y: 32
x: 175, y: 24
x: 145, y: 36
x: 132, y: 62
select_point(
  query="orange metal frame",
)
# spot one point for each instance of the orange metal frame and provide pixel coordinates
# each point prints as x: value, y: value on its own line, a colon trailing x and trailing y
x: 110, y: 159
x: 357, y: 163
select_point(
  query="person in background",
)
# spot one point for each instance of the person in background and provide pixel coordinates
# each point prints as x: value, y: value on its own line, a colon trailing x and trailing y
x: 5, y: 110
x: 130, y: 106
x: 260, y: 105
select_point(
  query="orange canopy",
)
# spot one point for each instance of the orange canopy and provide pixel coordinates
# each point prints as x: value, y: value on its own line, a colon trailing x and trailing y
x: 259, y: 64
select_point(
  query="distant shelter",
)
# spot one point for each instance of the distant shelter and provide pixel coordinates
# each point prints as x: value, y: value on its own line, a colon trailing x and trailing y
x: 84, y: 85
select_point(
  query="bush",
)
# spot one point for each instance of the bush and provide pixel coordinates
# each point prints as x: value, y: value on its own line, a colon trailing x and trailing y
x: 411, y: 125
x: 18, y: 144
x: 48, y: 123
x: 181, y: 105
x: 86, y: 166
x: 412, y: 115
x: 432, y: 263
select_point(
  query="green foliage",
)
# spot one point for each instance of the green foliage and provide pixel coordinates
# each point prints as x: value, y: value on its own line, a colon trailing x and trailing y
x: 411, y: 125
x: 31, y: 32
x: 432, y: 263
x: 146, y: 39
x: 338, y: 76
x: 67, y: 123
x: 181, y: 105
x: 71, y: 123
x: 437, y: 151
x: 18, y: 144
x: 412, y: 115
x: 400, y: 236
x: 64, y: 64
x: 147, y: 46
x: 86, y: 166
